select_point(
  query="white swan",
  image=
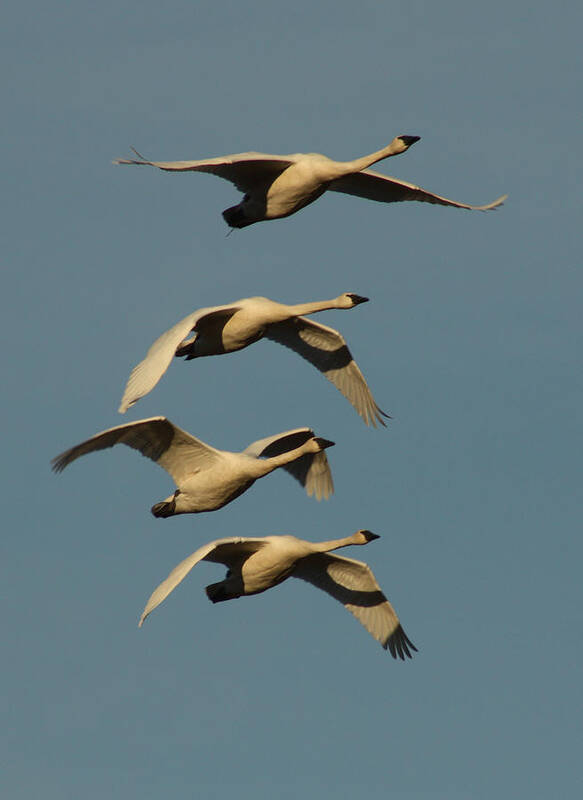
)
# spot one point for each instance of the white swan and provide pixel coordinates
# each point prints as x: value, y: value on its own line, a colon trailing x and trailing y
x: 257, y: 564
x: 206, y: 478
x: 276, y: 186
x: 224, y: 329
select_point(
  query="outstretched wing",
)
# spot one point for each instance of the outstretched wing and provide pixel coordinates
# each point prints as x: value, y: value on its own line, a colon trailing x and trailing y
x: 384, y: 189
x: 327, y: 350
x: 175, y: 450
x: 353, y: 584
x: 246, y: 170
x: 311, y: 470
x: 148, y: 372
x: 229, y: 551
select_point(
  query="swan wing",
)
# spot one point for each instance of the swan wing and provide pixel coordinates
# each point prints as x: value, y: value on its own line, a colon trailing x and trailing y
x: 384, y: 189
x: 279, y: 443
x: 175, y: 450
x: 247, y: 171
x: 312, y: 470
x: 314, y: 474
x: 148, y: 372
x: 354, y: 585
x: 327, y: 350
x: 229, y: 551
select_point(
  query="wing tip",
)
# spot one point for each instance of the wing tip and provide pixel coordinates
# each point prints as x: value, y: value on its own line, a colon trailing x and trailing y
x: 125, y: 404
x: 375, y: 416
x: 495, y: 204
x: 324, y: 494
x: 141, y: 158
x: 58, y: 464
x: 399, y: 644
x: 320, y: 493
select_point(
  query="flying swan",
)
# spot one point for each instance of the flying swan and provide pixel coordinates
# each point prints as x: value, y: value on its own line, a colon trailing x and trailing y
x: 224, y: 329
x: 255, y: 565
x: 276, y: 186
x: 207, y: 478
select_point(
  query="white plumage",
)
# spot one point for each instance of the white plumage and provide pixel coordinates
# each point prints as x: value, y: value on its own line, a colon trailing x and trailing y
x: 256, y: 564
x: 207, y: 478
x: 231, y: 327
x: 276, y: 186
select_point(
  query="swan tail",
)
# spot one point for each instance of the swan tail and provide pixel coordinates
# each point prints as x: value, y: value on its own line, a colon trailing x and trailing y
x: 235, y: 217
x: 164, y: 509
x: 218, y: 592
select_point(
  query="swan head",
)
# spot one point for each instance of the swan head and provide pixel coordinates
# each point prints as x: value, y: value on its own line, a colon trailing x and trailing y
x: 318, y: 444
x: 403, y: 143
x: 349, y: 300
x: 364, y: 537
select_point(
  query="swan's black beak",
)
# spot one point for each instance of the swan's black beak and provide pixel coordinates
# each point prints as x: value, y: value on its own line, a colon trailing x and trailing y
x: 409, y: 140
x: 370, y: 536
x: 324, y: 443
x: 357, y: 299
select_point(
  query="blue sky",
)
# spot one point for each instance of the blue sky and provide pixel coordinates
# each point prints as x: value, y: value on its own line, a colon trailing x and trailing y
x: 472, y: 342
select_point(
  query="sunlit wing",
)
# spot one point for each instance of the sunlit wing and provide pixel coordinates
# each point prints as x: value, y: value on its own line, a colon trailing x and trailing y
x: 327, y: 350
x: 246, y: 170
x: 227, y: 551
x: 354, y: 585
x: 311, y: 470
x: 385, y: 189
x: 148, y: 372
x: 314, y: 474
x: 157, y: 438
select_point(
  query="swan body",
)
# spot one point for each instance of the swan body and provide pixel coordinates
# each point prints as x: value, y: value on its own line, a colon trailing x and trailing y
x: 207, y: 478
x: 227, y: 328
x: 276, y: 186
x: 256, y: 564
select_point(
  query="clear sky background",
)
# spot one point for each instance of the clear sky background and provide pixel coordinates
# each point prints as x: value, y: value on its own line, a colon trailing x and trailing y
x: 472, y: 341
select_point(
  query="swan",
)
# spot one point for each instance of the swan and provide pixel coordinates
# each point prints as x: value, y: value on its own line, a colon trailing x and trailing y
x: 256, y: 564
x: 276, y: 186
x: 224, y: 329
x: 207, y: 478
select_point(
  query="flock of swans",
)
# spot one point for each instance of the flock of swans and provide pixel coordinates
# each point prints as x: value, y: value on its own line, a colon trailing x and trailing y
x: 207, y: 478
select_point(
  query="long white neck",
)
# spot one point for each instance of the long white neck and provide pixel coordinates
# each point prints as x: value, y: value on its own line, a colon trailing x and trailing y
x: 394, y: 148
x: 264, y: 466
x: 335, y: 544
x: 301, y: 309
